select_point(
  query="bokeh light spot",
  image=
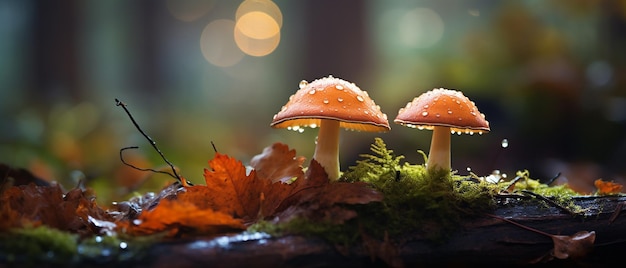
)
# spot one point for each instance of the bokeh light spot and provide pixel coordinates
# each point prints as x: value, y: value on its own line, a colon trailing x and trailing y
x: 420, y: 28
x: 257, y: 25
x: 256, y: 47
x: 218, y: 45
x: 265, y: 6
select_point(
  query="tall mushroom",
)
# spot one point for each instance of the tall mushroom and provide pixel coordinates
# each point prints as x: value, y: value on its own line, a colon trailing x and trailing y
x: 330, y: 103
x: 444, y: 111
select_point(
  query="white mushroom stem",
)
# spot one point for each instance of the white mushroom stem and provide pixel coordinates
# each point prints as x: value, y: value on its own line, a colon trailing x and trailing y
x: 327, y: 148
x: 439, y: 155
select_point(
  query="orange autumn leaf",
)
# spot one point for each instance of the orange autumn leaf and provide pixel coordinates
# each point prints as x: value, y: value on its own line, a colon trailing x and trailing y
x: 276, y: 183
x: 607, y: 187
x: 172, y: 216
x: 319, y: 199
x: 230, y: 189
x: 32, y: 204
x: 278, y: 163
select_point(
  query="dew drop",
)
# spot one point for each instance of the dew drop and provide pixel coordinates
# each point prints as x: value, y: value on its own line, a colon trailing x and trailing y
x: 437, y: 115
x: 366, y: 112
x: 137, y: 222
x: 505, y: 143
x: 359, y: 98
x: 98, y: 239
x: 469, y: 169
x: 312, y: 91
x: 424, y: 113
x: 326, y: 101
x: 426, y: 106
x: 301, y: 130
x: 313, y: 125
x: 339, y: 87
x: 449, y: 111
x: 303, y: 84
x: 340, y: 99
x: 123, y: 245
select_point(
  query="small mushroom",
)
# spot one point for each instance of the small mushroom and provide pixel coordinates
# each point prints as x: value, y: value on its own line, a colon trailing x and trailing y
x: 444, y: 111
x: 330, y: 103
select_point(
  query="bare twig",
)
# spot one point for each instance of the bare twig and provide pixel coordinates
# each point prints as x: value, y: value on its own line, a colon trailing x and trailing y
x: 519, y: 225
x: 550, y: 181
x: 153, y: 143
x: 552, y: 202
x: 139, y: 168
x: 214, y: 148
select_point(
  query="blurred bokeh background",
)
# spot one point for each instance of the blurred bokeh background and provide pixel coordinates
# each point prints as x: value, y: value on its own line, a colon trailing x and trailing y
x: 549, y: 75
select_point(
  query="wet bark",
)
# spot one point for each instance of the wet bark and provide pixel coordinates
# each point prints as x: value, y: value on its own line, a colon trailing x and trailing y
x: 481, y: 241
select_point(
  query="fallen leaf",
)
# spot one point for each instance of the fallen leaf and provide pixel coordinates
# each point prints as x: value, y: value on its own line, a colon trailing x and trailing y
x: 607, y: 187
x: 575, y: 246
x: 278, y: 163
x: 35, y: 205
x: 176, y: 217
x: 324, y: 200
x: 230, y: 189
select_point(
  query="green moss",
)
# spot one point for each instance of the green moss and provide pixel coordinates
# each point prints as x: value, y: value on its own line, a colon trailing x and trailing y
x: 33, y: 246
x: 416, y: 200
x: 561, y: 194
x: 41, y: 244
x: 343, y: 234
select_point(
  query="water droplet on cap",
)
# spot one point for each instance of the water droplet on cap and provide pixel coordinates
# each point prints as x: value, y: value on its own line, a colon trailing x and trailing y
x: 303, y: 84
x: 505, y: 143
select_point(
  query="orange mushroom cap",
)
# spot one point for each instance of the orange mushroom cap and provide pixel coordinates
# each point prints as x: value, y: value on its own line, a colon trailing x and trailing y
x: 331, y: 98
x: 443, y: 107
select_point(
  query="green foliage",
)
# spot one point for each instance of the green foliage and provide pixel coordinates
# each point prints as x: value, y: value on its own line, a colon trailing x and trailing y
x: 416, y: 199
x: 561, y: 194
x: 340, y: 234
x: 33, y: 246
x: 41, y: 244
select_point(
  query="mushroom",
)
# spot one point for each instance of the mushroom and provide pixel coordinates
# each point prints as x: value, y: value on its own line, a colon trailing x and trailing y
x: 443, y: 111
x: 330, y: 103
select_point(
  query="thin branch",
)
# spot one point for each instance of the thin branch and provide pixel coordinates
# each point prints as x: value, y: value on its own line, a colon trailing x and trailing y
x: 552, y: 202
x: 139, y: 168
x: 214, y: 148
x: 550, y: 181
x: 178, y: 177
x: 520, y: 225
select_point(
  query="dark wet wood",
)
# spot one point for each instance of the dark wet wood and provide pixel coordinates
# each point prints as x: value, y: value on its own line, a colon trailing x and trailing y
x: 486, y: 240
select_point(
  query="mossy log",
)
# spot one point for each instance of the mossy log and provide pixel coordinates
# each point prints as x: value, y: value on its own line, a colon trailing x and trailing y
x: 483, y: 240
